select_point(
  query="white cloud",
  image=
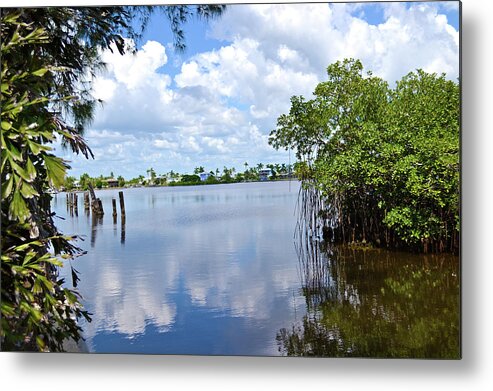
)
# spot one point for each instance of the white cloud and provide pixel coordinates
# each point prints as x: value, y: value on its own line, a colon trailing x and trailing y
x: 225, y: 71
x: 221, y: 105
x: 104, y: 89
x: 243, y: 72
x: 137, y: 70
x: 129, y: 305
x: 164, y: 144
x: 409, y: 37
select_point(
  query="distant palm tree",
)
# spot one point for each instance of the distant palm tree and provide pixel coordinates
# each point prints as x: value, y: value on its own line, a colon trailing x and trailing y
x: 152, y: 175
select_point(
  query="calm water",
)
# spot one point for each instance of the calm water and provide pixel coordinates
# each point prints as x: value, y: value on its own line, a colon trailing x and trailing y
x: 216, y: 270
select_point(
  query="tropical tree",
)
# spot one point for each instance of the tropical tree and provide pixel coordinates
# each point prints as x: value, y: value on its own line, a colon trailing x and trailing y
x: 383, y: 163
x: 226, y: 177
x: 84, y: 181
x: 121, y: 181
x: 190, y: 179
x: 69, y: 182
x: 273, y: 170
x: 152, y: 175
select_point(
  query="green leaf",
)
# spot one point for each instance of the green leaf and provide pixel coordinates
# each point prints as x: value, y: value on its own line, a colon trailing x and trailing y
x: 56, y: 170
x: 31, y: 170
x: 37, y: 148
x: 7, y: 309
x: 40, y: 342
x: 18, y: 209
x: 37, y: 289
x: 28, y: 191
x: 7, y: 188
x: 19, y: 170
x: 48, y: 284
x: 72, y: 299
x: 54, y: 261
x: 14, y: 152
x: 5, y: 124
x: 24, y: 246
x: 40, y: 72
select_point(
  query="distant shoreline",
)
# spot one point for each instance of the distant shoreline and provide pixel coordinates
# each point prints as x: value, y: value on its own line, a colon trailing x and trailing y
x: 180, y: 185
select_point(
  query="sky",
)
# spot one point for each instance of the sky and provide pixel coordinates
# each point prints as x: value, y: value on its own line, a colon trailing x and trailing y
x: 215, y: 104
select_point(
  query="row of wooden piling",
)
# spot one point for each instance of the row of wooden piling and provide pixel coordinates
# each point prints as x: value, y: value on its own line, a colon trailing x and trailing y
x: 72, y: 206
x: 91, y: 202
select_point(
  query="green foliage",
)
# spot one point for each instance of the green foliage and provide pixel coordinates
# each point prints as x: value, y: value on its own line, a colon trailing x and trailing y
x: 84, y: 181
x: 99, y: 183
x: 385, y: 161
x: 121, y: 181
x: 211, y: 180
x: 38, y: 312
x: 228, y: 175
x: 190, y: 179
x: 69, y: 183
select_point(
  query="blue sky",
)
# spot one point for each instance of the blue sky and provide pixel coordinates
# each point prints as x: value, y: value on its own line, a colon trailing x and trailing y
x: 215, y: 104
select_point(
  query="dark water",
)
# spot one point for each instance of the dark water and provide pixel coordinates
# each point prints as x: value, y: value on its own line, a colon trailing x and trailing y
x: 216, y: 270
x: 375, y: 303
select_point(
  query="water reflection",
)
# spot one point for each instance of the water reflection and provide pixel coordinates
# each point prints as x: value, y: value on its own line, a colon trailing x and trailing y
x: 95, y: 221
x: 375, y: 304
x: 202, y: 271
x: 122, y: 230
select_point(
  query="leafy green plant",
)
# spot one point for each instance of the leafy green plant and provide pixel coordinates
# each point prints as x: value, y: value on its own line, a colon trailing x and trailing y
x: 384, y: 161
x: 38, y: 311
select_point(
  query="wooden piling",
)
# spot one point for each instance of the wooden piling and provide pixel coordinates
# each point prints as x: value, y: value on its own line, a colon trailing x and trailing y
x: 71, y: 203
x: 100, y: 207
x: 86, y: 201
x: 76, y: 201
x: 97, y: 205
x: 122, y: 234
x: 113, y: 201
x: 122, y: 204
x: 91, y: 192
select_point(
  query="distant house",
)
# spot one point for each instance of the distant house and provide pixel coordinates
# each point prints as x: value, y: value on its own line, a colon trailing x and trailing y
x: 112, y: 182
x: 265, y: 174
x: 204, y: 176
